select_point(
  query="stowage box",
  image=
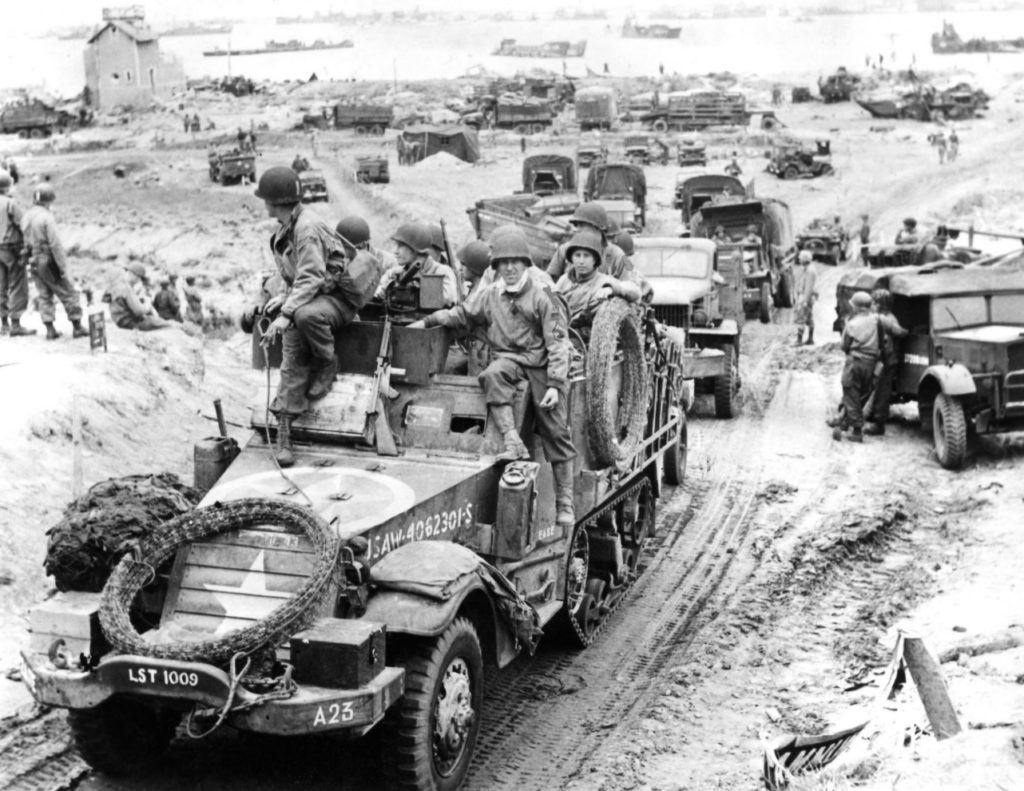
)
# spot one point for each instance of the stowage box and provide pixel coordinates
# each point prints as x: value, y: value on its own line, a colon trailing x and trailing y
x: 338, y: 652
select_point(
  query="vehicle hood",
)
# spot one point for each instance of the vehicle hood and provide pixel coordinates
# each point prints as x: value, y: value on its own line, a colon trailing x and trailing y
x: 991, y: 333
x: 678, y: 290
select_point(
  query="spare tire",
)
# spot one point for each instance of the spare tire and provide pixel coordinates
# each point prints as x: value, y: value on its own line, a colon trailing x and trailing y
x: 616, y: 384
x: 132, y: 573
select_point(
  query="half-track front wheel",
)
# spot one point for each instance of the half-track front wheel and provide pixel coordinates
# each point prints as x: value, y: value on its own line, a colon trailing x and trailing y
x: 949, y: 428
x: 791, y: 172
x: 675, y: 457
x: 727, y: 402
x: 764, y: 309
x: 430, y: 734
x: 121, y: 735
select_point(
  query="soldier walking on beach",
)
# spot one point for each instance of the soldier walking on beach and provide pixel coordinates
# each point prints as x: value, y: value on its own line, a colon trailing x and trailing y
x: 865, y: 238
x: 193, y: 301
x: 50, y: 264
x: 13, y: 278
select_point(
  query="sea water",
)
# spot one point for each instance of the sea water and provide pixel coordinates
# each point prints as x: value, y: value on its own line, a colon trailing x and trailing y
x: 768, y: 47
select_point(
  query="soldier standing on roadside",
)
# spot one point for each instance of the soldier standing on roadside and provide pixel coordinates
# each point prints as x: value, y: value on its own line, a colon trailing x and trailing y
x: 861, y: 343
x: 891, y: 331
x: 865, y: 238
x: 50, y: 264
x: 193, y: 301
x: 806, y: 294
x: 13, y: 278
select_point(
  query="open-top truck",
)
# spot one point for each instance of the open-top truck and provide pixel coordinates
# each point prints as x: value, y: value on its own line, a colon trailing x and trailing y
x: 543, y: 220
x: 367, y: 586
x: 232, y: 166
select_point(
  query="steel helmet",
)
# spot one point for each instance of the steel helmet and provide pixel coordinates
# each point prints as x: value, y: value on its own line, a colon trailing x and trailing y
x: 44, y: 193
x: 353, y: 230
x: 476, y: 257
x: 624, y: 241
x: 436, y: 237
x: 5, y: 180
x: 861, y: 299
x: 910, y: 222
x: 137, y: 269
x: 279, y: 186
x: 414, y: 236
x: 591, y: 214
x: 585, y: 239
x: 805, y: 257
x: 509, y: 244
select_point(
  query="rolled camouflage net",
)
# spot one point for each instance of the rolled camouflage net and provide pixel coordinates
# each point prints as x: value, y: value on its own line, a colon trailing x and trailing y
x: 616, y: 424
x: 132, y: 573
x: 104, y: 523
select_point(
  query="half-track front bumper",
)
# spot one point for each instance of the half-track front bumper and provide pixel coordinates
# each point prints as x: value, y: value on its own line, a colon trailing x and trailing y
x: 311, y: 709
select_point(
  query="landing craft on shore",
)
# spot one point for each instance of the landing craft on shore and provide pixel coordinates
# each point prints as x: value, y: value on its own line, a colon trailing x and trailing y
x: 274, y: 47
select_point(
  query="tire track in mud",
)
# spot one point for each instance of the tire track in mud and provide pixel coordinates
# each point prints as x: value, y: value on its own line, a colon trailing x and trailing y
x: 37, y: 754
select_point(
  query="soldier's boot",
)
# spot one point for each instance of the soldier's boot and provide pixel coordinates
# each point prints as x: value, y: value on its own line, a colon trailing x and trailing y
x: 5, y: 328
x: 856, y: 435
x: 565, y: 514
x: 874, y: 429
x: 810, y: 337
x: 323, y: 379
x: 837, y: 434
x: 505, y: 420
x: 17, y: 329
x: 78, y: 331
x: 284, y: 453
x: 799, y: 336
x: 51, y: 333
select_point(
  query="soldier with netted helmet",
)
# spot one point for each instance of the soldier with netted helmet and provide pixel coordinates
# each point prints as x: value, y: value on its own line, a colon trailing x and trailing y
x: 49, y: 264
x: 320, y: 297
x: 412, y: 251
x: 526, y: 328
x: 584, y: 288
x: 614, y: 262
x: 13, y: 274
x: 891, y: 334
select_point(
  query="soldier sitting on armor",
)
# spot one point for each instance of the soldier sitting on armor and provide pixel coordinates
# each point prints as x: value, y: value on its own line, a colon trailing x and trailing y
x: 527, y: 332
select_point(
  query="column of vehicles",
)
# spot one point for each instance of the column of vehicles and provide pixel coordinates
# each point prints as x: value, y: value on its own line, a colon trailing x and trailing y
x: 368, y: 588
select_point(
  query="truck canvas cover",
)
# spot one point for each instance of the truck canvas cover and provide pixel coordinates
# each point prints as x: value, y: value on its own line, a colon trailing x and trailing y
x: 557, y: 168
x: 617, y: 180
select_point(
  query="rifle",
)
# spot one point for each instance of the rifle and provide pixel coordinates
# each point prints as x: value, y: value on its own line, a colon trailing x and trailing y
x: 451, y: 259
x: 377, y: 415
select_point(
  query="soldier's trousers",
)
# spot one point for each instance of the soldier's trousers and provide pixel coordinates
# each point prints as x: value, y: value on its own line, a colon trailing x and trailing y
x: 500, y: 380
x: 308, y: 343
x: 857, y: 380
x: 13, y: 285
x: 51, y: 282
x: 882, y: 395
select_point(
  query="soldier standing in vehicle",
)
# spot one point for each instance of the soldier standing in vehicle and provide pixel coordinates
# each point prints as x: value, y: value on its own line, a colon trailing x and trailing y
x: 584, y: 288
x: 753, y: 239
x: 614, y: 262
x: 861, y: 343
x: 354, y: 232
x: 891, y: 333
x: 313, y: 308
x: 720, y: 235
x: 908, y: 233
x: 935, y: 248
x: 733, y: 168
x: 412, y: 251
x: 527, y: 331
x: 474, y: 260
x: 50, y: 264
x: 865, y: 238
x: 13, y: 277
x: 806, y: 294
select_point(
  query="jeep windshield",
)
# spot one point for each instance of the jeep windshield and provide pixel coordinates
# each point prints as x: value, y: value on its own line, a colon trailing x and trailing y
x: 672, y: 262
x: 957, y: 312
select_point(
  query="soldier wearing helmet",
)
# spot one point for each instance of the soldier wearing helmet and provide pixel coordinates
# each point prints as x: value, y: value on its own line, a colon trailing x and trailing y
x: 890, y: 334
x: 908, y: 233
x: 437, y: 251
x: 320, y: 297
x: 130, y: 308
x: 614, y: 262
x: 49, y: 264
x: 806, y: 294
x: 861, y: 342
x: 583, y: 287
x: 355, y: 236
x: 526, y: 328
x: 13, y: 277
x: 475, y: 260
x: 412, y: 251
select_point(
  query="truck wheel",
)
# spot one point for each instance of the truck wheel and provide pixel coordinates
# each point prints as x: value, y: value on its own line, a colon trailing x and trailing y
x: 36, y: 133
x: 616, y: 384
x: 949, y: 427
x: 826, y: 170
x: 784, y: 292
x: 252, y: 178
x: 360, y: 131
x: 765, y: 308
x: 537, y: 129
x: 520, y: 129
x: 727, y: 402
x: 675, y: 456
x: 122, y: 735
x: 791, y: 173
x: 23, y: 133
x: 225, y: 179
x: 376, y: 130
x: 661, y: 125
x: 430, y: 734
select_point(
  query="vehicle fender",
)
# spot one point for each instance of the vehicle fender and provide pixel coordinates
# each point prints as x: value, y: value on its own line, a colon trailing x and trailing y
x: 727, y: 329
x: 421, y: 587
x: 953, y: 380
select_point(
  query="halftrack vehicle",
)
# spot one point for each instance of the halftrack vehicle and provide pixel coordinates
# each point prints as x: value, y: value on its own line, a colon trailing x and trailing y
x: 963, y: 359
x: 232, y: 166
x: 697, y: 292
x: 313, y: 186
x: 368, y: 586
x: 828, y: 243
x: 543, y: 220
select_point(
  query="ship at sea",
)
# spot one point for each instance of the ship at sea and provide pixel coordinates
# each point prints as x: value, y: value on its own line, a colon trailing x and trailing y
x: 632, y: 30
x: 272, y: 47
x: 948, y: 42
x: 549, y: 49
x: 197, y: 29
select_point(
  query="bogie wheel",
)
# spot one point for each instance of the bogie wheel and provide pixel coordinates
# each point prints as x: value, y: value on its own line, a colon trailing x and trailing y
x: 765, y: 308
x: 121, y: 735
x: 430, y: 734
x: 588, y: 614
x: 949, y: 428
x: 675, y: 457
x: 727, y: 403
x: 791, y: 173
